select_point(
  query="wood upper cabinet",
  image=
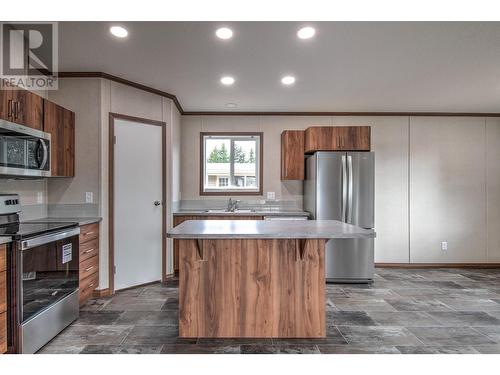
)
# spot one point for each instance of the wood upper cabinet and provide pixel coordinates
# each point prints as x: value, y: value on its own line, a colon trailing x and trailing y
x: 22, y: 107
x: 337, y: 138
x: 292, y: 155
x: 60, y: 123
x: 3, y: 299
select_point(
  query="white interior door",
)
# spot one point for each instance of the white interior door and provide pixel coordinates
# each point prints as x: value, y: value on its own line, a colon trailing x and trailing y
x: 137, y: 220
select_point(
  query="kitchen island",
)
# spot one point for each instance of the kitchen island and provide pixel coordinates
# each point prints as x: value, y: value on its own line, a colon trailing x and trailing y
x: 247, y: 278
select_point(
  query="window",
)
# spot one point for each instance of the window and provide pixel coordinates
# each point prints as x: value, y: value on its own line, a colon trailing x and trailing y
x: 231, y: 164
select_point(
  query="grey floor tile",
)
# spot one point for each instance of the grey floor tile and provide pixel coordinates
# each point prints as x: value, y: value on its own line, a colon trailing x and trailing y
x: 298, y: 349
x: 465, y: 318
x: 149, y: 318
x: 347, y: 304
x: 130, y: 303
x: 259, y: 349
x: 371, y: 336
x: 171, y: 304
x: 200, y: 349
x: 235, y: 341
x: 357, y: 349
x: 99, y: 317
x: 152, y: 335
x: 488, y: 349
x: 95, y: 304
x: 492, y: 332
x: 349, y: 318
x: 419, y: 304
x: 121, y: 349
x: 92, y: 335
x: 453, y: 349
x: 479, y: 304
x: 450, y: 336
x: 65, y: 349
x: 404, y: 319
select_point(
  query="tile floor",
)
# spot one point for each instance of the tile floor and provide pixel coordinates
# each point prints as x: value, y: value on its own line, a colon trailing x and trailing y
x: 403, y: 311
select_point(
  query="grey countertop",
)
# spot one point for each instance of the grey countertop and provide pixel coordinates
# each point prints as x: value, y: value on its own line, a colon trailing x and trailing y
x: 79, y: 220
x: 5, y: 240
x: 257, y: 212
x: 221, y: 229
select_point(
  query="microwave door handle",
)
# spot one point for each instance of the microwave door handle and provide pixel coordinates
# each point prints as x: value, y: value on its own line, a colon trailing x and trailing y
x: 344, y: 189
x: 45, y: 154
x: 350, y: 189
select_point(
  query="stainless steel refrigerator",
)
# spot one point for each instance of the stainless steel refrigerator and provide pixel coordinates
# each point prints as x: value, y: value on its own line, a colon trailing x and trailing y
x: 340, y: 186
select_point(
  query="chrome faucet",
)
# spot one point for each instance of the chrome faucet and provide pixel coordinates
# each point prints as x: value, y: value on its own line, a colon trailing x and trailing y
x: 232, y: 205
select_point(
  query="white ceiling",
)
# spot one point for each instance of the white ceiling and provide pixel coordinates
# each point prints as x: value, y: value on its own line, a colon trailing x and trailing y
x: 350, y: 66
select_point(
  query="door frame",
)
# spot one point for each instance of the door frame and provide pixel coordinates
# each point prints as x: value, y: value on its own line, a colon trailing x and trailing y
x: 111, y: 189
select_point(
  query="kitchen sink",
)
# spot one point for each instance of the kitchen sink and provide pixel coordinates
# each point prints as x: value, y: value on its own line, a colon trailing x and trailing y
x: 214, y: 211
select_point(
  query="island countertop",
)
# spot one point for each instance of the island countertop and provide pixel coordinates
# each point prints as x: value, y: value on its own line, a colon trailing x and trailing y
x: 245, y: 229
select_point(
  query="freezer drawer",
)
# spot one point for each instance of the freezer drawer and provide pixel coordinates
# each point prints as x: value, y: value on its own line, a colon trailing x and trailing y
x: 349, y: 260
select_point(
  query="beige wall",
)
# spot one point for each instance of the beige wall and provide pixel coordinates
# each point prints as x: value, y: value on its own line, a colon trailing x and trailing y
x: 436, y: 179
x: 80, y: 95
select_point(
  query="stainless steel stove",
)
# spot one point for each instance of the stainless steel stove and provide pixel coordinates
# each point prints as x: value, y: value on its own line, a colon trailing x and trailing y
x: 43, y: 268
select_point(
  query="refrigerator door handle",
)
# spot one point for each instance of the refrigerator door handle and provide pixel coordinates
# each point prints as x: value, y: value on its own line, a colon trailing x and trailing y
x: 349, y: 193
x: 344, y: 189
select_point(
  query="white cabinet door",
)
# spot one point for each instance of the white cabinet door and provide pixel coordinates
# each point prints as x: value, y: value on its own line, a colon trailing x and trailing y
x: 137, y: 219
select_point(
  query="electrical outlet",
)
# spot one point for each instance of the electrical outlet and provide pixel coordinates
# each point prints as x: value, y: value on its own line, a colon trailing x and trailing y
x: 39, y: 197
x: 271, y: 195
x: 89, y: 197
x: 444, y: 245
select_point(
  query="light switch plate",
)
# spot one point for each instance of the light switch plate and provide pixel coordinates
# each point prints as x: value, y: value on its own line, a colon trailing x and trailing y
x: 89, y: 197
x: 39, y: 197
x: 444, y: 245
x: 271, y: 195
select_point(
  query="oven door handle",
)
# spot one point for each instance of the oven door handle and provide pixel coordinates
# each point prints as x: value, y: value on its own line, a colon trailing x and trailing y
x: 48, y: 238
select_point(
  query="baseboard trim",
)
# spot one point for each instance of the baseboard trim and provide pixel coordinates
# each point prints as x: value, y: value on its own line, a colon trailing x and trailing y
x: 437, y: 265
x: 101, y: 293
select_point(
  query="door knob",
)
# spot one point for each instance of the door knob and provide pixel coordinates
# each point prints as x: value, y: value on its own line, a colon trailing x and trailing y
x: 157, y: 203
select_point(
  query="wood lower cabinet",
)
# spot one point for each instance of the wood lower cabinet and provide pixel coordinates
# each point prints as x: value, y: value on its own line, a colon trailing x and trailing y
x: 292, y: 155
x: 337, y: 138
x: 181, y: 218
x: 3, y: 299
x: 22, y: 107
x: 60, y: 123
x: 89, y: 261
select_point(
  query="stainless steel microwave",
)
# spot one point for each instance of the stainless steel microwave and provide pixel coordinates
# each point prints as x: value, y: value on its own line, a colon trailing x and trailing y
x: 24, y: 152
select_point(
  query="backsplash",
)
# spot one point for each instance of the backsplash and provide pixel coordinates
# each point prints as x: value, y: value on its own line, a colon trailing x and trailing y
x: 255, y: 204
x: 32, y: 193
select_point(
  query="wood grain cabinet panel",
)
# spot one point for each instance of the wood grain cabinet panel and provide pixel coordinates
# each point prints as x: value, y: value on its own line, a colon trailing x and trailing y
x: 89, y: 261
x: 337, y: 138
x: 28, y: 109
x: 292, y: 155
x: 60, y: 123
x: 3, y: 332
x: 3, y: 291
x: 181, y: 218
x: 22, y: 107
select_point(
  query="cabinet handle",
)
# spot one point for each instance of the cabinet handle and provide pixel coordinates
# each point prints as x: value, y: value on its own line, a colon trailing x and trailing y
x: 88, y: 233
x: 89, y: 251
x: 16, y: 110
x: 88, y: 269
x: 9, y: 108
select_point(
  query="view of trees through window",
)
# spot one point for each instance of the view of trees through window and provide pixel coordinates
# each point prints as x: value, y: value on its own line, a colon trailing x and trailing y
x: 231, y: 163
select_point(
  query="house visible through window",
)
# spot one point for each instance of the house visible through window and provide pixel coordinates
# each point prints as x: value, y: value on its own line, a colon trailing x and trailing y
x: 231, y: 163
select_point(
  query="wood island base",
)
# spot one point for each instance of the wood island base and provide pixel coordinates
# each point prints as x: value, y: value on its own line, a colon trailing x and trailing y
x: 252, y: 288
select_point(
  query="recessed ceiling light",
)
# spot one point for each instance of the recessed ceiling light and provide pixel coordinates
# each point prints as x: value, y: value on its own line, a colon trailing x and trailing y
x: 118, y: 31
x: 227, y: 80
x: 306, y: 32
x: 288, y: 80
x: 224, y: 33
x: 231, y: 105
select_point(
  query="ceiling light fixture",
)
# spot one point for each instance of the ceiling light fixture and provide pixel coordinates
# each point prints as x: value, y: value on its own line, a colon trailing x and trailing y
x: 288, y: 80
x: 227, y: 80
x: 306, y: 32
x: 118, y: 31
x: 224, y: 33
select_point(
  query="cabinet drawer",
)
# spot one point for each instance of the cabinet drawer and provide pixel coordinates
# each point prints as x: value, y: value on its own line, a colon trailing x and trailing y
x: 89, y: 249
x: 87, y: 286
x: 3, y: 258
x: 89, y: 232
x: 3, y: 333
x: 3, y: 291
x: 89, y: 267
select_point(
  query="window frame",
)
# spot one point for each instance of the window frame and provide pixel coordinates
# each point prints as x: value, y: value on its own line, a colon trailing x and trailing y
x: 260, y: 165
